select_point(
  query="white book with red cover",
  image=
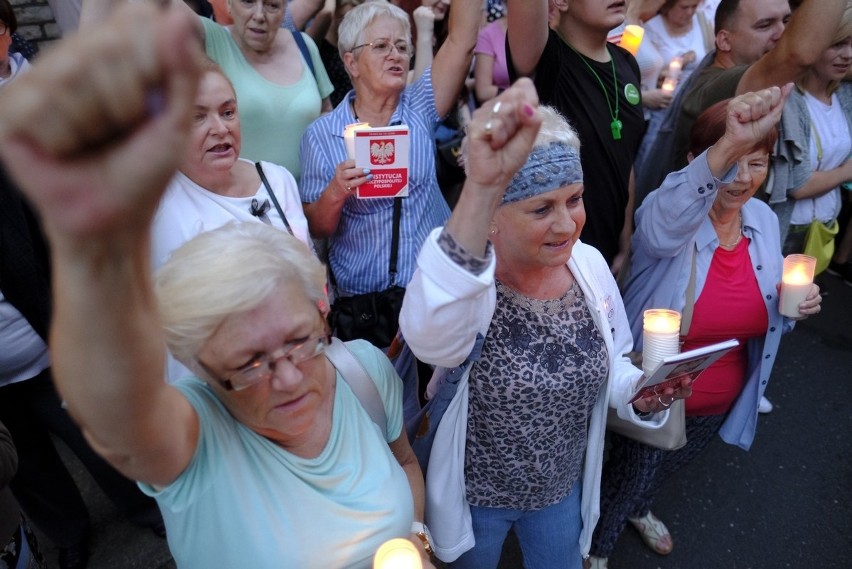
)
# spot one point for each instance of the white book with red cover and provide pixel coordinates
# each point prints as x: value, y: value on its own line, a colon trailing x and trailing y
x: 385, y: 151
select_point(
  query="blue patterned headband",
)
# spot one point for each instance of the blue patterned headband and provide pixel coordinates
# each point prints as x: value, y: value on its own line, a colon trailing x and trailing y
x: 548, y: 168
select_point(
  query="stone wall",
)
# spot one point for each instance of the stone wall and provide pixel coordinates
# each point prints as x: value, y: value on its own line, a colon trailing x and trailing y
x: 36, y: 21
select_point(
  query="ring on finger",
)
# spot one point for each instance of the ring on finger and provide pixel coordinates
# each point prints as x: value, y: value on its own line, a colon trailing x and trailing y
x: 496, y: 108
x: 348, y: 188
x: 489, y: 125
x: 666, y: 405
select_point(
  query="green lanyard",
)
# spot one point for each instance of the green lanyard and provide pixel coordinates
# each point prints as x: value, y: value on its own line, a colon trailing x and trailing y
x: 615, y: 125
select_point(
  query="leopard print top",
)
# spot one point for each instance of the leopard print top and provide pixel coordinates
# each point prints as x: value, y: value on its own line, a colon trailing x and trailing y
x: 531, y: 393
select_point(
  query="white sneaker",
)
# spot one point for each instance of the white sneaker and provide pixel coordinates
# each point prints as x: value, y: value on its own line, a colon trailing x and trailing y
x: 595, y: 562
x: 765, y: 406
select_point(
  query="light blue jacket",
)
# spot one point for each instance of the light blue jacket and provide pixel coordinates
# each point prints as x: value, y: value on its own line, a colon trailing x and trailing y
x: 671, y: 224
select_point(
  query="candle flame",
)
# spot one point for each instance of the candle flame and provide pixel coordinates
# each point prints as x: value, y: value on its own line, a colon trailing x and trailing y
x: 397, y: 554
x: 797, y: 275
x: 661, y: 321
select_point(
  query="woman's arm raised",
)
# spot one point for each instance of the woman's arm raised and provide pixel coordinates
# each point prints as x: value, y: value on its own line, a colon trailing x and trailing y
x: 120, y: 100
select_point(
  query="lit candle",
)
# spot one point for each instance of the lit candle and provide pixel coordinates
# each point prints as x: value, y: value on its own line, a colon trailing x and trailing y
x: 397, y: 554
x: 349, y: 136
x: 632, y: 38
x: 796, y: 281
x: 660, y: 336
x: 672, y: 74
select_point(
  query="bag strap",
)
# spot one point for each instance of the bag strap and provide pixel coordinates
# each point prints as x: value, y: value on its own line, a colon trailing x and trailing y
x: 272, y: 195
x: 303, y: 47
x: 394, y: 252
x: 688, y: 308
x: 359, y: 381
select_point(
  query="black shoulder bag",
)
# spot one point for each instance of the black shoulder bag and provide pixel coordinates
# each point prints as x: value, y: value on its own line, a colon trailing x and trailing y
x: 373, y: 316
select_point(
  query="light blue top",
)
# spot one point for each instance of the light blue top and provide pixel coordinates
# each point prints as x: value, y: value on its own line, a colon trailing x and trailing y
x: 272, y: 117
x: 359, y: 251
x: 671, y: 224
x: 244, y: 502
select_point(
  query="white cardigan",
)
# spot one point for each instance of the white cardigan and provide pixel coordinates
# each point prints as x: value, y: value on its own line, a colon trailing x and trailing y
x: 445, y: 307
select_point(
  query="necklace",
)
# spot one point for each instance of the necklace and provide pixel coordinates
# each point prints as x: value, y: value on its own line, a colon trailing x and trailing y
x: 735, y: 241
x: 615, y: 125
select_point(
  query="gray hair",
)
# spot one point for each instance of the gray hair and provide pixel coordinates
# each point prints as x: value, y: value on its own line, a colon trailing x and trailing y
x: 227, y: 271
x: 359, y: 19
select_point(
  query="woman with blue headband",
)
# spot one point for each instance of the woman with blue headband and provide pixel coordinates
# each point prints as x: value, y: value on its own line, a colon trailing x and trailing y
x: 509, y: 267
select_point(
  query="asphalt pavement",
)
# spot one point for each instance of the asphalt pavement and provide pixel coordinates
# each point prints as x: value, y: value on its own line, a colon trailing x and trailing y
x: 787, y: 503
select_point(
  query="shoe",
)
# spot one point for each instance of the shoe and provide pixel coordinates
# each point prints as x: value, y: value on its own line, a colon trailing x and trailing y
x: 74, y: 557
x: 654, y: 533
x: 595, y: 562
x: 765, y: 406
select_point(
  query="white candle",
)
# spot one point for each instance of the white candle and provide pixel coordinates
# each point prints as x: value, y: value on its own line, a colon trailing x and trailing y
x: 397, y: 554
x: 631, y: 39
x: 672, y: 74
x: 349, y: 136
x: 796, y: 281
x: 660, y: 336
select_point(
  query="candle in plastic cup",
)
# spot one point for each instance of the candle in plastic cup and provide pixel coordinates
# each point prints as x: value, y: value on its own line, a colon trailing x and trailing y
x: 632, y: 38
x: 661, y: 321
x: 349, y: 136
x: 796, y: 281
x: 672, y: 75
x: 397, y: 554
x: 660, y: 336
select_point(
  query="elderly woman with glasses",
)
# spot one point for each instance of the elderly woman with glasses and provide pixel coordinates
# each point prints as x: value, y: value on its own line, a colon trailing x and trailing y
x: 374, y: 40
x: 267, y: 458
x: 278, y: 75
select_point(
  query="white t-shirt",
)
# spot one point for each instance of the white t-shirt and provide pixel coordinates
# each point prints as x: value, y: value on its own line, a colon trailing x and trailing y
x: 831, y: 145
x: 671, y: 47
x: 187, y: 209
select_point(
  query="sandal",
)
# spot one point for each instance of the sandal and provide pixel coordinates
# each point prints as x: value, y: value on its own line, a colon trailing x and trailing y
x: 654, y: 533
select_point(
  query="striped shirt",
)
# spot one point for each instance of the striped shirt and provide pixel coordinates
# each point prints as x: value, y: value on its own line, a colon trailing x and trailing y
x: 359, y: 250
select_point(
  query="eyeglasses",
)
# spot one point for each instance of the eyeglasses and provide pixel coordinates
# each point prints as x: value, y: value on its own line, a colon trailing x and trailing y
x: 261, y: 368
x: 269, y: 7
x: 384, y: 46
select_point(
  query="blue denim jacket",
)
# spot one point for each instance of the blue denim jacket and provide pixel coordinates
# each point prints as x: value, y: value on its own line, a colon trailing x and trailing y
x: 671, y: 224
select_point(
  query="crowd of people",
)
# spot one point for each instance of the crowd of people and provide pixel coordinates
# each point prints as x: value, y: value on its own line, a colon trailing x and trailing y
x: 179, y: 240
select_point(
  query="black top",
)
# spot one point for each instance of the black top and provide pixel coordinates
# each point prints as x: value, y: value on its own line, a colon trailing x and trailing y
x: 563, y: 81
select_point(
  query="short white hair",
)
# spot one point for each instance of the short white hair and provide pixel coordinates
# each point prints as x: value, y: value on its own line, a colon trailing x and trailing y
x: 226, y: 271
x: 359, y: 19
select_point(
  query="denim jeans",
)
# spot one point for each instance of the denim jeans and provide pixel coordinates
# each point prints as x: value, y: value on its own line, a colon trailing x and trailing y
x: 549, y: 537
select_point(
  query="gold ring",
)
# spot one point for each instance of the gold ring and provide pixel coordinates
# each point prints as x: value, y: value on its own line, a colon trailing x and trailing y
x: 496, y: 108
x: 348, y: 188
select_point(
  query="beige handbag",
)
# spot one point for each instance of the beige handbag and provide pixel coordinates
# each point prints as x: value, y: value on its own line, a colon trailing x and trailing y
x: 672, y: 435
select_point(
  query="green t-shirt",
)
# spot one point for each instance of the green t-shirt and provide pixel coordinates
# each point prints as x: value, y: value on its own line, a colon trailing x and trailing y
x: 273, y: 117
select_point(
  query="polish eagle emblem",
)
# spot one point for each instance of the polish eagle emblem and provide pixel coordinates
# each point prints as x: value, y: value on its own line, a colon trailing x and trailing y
x: 382, y: 151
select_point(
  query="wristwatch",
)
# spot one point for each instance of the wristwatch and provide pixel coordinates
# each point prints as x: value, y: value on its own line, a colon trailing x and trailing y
x: 422, y: 532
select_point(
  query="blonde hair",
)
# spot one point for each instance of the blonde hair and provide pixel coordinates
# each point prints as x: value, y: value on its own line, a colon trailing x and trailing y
x: 227, y: 271
x: 844, y: 30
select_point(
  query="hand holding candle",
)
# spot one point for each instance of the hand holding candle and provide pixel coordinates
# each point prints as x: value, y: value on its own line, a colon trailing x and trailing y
x: 796, y: 282
x: 672, y: 75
